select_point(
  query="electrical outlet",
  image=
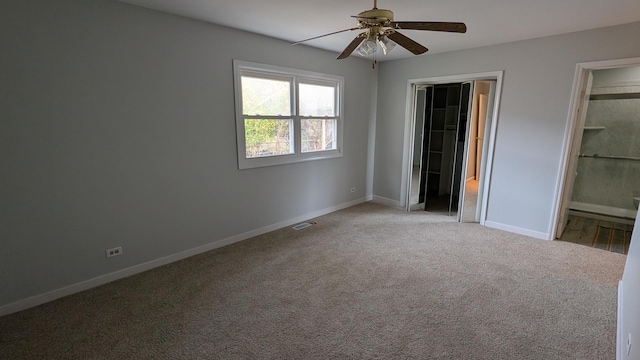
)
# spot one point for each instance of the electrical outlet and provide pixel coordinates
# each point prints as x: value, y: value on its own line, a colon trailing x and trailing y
x: 353, y: 189
x: 629, y: 345
x: 114, y: 252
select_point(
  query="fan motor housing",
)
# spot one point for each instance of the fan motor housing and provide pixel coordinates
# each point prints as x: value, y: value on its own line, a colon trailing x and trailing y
x: 375, y: 17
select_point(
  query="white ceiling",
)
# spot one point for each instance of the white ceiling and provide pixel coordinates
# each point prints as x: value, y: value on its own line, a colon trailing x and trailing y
x: 488, y: 21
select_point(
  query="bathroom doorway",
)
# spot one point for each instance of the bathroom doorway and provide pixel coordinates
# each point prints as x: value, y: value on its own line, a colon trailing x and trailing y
x: 602, y: 181
x: 449, y: 150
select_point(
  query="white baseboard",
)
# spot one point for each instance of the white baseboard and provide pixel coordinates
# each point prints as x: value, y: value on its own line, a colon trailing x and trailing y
x: 136, y: 269
x: 386, y: 201
x: 517, y: 230
x: 620, y: 343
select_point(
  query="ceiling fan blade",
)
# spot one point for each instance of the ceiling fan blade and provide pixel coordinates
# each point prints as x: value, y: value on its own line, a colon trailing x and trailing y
x: 407, y: 43
x: 317, y: 37
x: 352, y: 46
x: 455, y: 27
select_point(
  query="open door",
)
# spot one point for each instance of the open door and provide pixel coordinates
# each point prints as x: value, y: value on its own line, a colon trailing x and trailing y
x: 424, y: 140
x: 581, y: 115
x: 415, y: 200
x: 481, y: 104
x: 458, y: 185
x: 483, y: 148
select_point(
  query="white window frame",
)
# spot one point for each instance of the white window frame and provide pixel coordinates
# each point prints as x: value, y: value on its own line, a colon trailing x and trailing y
x: 295, y: 77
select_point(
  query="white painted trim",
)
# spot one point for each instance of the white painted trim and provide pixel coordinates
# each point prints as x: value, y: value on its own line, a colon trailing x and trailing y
x: 604, y: 210
x: 491, y: 150
x: 136, y: 269
x: 517, y: 230
x: 448, y: 79
x: 294, y: 77
x: 465, y: 150
x: 387, y: 202
x: 601, y: 217
x: 371, y: 143
x: 581, y: 71
x: 407, y: 154
x: 567, y: 142
x: 408, y: 127
x: 620, y: 343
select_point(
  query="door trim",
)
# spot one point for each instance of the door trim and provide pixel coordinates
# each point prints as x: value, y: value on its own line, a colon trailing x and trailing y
x: 410, y: 123
x: 579, y: 83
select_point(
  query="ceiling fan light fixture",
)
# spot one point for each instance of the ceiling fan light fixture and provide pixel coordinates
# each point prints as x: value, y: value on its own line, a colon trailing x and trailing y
x: 381, y: 29
x: 386, y: 44
x: 368, y: 47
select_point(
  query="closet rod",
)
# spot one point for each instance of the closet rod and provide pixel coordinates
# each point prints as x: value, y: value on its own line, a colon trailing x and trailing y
x: 610, y: 157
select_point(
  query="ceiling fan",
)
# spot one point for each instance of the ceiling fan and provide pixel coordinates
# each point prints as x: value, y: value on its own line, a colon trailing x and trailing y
x: 381, y: 29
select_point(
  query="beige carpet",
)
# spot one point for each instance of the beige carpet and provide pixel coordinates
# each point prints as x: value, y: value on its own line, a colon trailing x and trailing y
x: 470, y: 201
x: 365, y: 282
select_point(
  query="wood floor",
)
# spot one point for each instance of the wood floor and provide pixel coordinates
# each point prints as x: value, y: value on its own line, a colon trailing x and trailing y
x: 601, y: 234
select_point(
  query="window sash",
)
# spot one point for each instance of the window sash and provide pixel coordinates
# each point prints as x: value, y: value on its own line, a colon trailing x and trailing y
x: 268, y: 76
x: 323, y: 136
x: 315, y: 82
x: 261, y: 147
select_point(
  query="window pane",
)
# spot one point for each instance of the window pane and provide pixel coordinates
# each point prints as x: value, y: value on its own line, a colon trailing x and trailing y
x: 267, y: 137
x: 317, y: 100
x: 265, y: 96
x: 318, y: 134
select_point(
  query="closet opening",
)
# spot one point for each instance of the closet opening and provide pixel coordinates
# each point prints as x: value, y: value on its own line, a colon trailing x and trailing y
x: 451, y: 146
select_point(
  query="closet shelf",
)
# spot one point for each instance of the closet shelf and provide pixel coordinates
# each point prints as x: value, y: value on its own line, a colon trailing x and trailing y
x: 620, y: 96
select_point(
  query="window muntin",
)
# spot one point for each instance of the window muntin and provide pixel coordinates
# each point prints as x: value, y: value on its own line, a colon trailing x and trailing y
x: 286, y: 115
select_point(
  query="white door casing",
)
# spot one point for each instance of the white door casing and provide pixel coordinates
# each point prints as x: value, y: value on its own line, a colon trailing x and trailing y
x: 407, y: 159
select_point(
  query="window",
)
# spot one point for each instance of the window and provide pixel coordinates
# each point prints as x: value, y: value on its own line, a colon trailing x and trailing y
x: 285, y: 115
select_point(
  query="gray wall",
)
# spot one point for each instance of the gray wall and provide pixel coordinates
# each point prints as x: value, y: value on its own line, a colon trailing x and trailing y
x: 628, y: 300
x: 538, y: 79
x: 616, y: 77
x: 117, y: 129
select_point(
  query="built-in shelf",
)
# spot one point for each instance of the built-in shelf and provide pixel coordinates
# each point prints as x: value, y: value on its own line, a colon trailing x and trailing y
x: 594, y: 128
x: 443, y: 123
